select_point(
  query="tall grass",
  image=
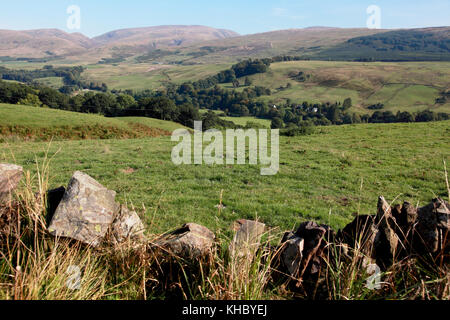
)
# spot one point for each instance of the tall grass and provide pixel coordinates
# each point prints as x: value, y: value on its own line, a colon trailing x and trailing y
x: 35, y: 265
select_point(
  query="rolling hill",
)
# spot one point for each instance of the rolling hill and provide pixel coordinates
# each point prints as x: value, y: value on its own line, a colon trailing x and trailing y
x: 200, y: 44
x: 19, y: 122
x: 41, y: 43
x: 56, y: 43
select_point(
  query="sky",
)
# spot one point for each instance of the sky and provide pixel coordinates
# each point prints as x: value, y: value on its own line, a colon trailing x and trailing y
x: 243, y: 16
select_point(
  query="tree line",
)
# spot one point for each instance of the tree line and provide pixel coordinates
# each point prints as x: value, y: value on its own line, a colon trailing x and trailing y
x: 181, y: 103
x: 71, y: 77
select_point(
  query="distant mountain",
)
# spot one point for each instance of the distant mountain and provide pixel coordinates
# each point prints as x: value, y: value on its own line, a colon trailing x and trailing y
x: 397, y: 45
x: 53, y: 42
x: 42, y: 43
x: 282, y: 42
x: 162, y: 36
x: 200, y: 44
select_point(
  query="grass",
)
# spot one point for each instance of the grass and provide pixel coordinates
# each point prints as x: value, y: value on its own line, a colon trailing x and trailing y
x: 52, y: 82
x: 244, y: 120
x: 36, y: 266
x: 154, y: 123
x: 32, y: 123
x: 326, y: 177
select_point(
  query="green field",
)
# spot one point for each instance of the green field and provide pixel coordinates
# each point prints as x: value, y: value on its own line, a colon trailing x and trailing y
x: 25, y: 122
x: 242, y: 121
x: 406, y: 86
x: 326, y: 177
x: 153, y: 123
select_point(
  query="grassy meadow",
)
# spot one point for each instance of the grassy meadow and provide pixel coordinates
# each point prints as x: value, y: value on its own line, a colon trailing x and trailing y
x: 19, y: 123
x: 327, y: 177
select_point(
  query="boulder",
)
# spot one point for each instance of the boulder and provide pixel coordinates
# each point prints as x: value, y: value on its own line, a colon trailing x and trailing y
x: 431, y: 234
x: 191, y: 241
x: 386, y: 240
x: 313, y: 234
x: 246, y: 239
x: 86, y: 211
x: 291, y: 253
x: 359, y: 234
x: 54, y: 197
x: 10, y: 176
x: 127, y: 226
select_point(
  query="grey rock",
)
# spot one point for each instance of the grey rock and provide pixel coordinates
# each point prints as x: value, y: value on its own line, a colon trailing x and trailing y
x: 432, y: 227
x: 247, y: 238
x: 191, y: 241
x: 86, y: 211
x: 127, y: 226
x: 313, y: 234
x: 360, y: 233
x: 10, y: 176
x: 386, y: 240
x: 291, y: 253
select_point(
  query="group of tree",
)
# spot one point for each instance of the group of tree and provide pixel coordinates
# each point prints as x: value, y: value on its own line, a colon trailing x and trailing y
x: 71, y: 77
x: 242, y: 69
x: 181, y: 103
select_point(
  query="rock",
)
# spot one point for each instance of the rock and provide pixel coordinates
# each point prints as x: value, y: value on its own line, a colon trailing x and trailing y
x: 191, y: 241
x: 54, y: 198
x: 247, y: 238
x: 10, y: 176
x: 386, y: 239
x: 359, y: 234
x: 312, y: 233
x: 432, y: 227
x: 127, y: 226
x: 86, y: 211
x: 291, y: 253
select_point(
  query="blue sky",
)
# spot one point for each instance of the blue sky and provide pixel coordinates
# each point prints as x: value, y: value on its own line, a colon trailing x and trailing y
x: 243, y: 16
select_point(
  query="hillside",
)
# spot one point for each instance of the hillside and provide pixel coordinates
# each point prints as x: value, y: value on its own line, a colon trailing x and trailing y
x: 162, y: 36
x: 53, y: 43
x: 411, y: 45
x: 407, y: 86
x: 200, y: 44
x: 37, y: 124
x: 41, y: 43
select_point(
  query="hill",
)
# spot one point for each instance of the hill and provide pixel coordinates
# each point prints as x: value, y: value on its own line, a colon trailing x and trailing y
x: 19, y: 122
x: 41, y: 43
x: 399, y: 45
x: 406, y: 86
x: 162, y: 36
x: 200, y: 44
x: 53, y: 43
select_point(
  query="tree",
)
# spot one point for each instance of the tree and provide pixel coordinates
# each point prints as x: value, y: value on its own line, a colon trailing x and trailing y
x: 187, y: 115
x: 404, y: 117
x: 31, y: 100
x: 277, y: 123
x: 125, y: 101
x: 426, y: 116
x: 160, y: 108
x: 347, y: 104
